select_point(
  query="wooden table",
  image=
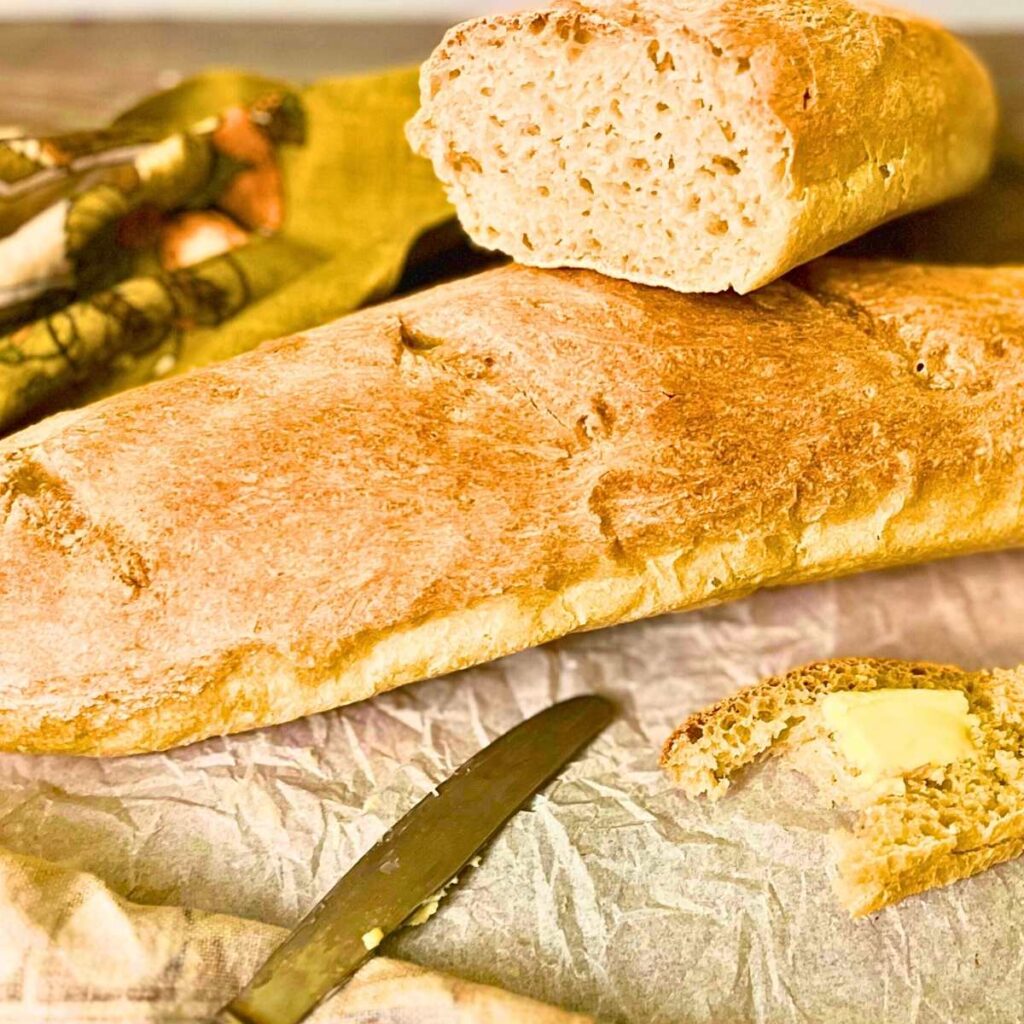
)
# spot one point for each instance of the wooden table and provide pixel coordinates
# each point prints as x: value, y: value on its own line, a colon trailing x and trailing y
x: 61, y: 75
x: 64, y: 75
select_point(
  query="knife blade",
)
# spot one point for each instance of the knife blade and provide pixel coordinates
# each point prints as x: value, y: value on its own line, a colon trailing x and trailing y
x: 414, y: 861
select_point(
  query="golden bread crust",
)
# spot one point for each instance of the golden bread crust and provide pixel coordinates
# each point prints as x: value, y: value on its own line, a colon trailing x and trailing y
x: 483, y: 467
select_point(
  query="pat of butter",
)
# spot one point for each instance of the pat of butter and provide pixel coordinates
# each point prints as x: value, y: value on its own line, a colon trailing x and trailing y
x: 889, y: 732
x: 372, y: 939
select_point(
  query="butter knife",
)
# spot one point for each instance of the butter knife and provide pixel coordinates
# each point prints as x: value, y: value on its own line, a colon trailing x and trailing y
x: 414, y: 862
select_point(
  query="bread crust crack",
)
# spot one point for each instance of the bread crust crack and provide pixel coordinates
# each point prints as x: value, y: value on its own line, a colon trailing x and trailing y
x: 60, y: 520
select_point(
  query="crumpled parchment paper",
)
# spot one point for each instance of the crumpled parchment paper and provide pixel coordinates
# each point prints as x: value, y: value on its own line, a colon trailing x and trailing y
x: 612, y: 894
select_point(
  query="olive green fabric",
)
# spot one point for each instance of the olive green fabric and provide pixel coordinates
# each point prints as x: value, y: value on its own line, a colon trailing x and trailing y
x: 355, y: 200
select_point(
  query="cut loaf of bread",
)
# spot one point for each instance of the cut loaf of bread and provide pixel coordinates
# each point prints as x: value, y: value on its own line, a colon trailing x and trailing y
x: 698, y: 144
x: 949, y: 823
x: 482, y: 467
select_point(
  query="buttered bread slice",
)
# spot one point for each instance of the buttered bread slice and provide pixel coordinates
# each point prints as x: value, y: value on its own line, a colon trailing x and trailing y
x: 698, y: 144
x: 927, y: 761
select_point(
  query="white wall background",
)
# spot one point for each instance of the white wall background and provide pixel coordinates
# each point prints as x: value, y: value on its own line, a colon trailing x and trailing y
x: 957, y: 13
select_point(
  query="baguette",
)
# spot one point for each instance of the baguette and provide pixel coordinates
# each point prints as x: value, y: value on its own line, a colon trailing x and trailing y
x: 698, y: 145
x: 948, y: 823
x: 483, y: 467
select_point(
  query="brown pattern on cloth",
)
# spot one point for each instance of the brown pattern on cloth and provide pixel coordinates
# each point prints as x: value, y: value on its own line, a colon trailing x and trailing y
x: 116, y: 240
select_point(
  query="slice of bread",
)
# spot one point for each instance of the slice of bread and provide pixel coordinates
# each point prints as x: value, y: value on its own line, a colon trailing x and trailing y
x: 698, y: 144
x: 947, y: 823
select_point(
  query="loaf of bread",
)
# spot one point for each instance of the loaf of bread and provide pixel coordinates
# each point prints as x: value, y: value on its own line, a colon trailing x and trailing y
x: 698, y: 144
x: 939, y: 825
x: 482, y: 467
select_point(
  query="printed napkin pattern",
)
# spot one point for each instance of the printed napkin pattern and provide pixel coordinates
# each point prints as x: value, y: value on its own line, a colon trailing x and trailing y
x: 129, y: 253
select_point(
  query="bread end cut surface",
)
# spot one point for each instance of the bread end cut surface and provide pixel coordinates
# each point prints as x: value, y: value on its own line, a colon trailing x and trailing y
x: 940, y: 825
x: 698, y: 146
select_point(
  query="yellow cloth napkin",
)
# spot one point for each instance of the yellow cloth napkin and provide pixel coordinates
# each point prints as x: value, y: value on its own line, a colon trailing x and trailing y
x: 73, y: 952
x: 226, y: 211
